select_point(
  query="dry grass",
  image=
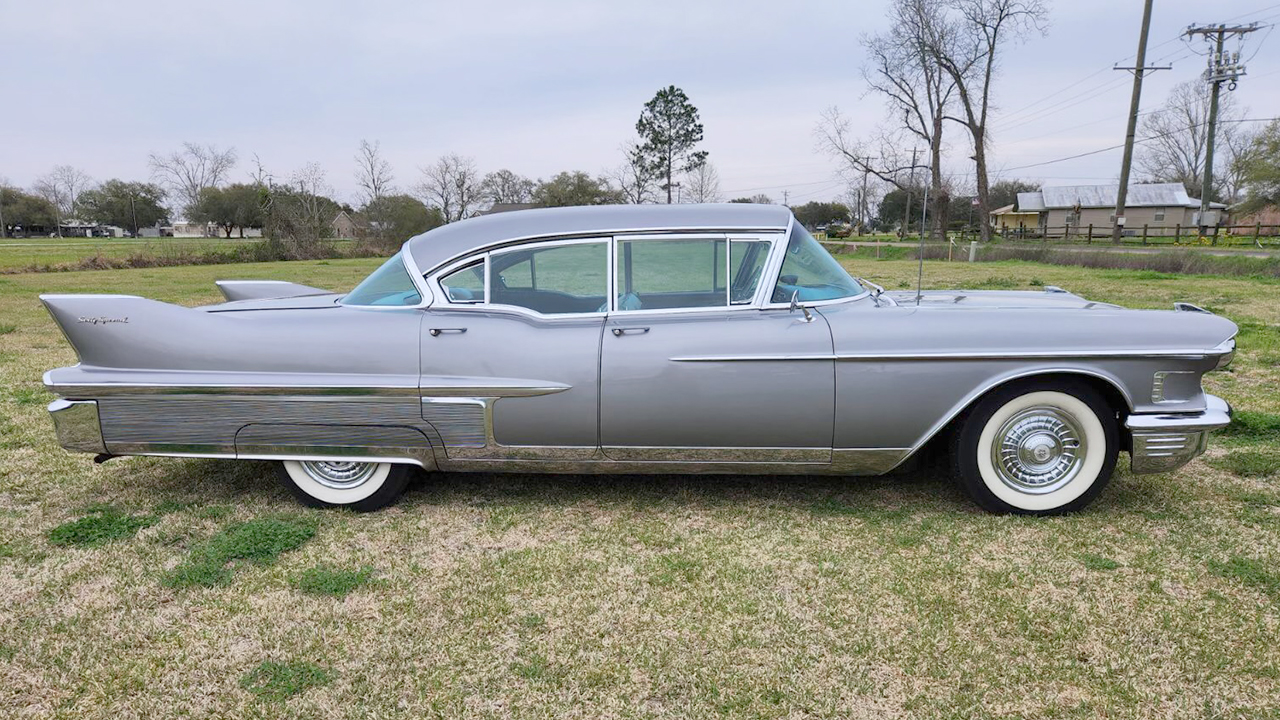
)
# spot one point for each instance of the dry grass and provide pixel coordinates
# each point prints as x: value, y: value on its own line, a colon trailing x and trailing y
x: 598, y: 597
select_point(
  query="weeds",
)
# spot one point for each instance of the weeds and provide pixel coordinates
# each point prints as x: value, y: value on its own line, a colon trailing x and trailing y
x: 257, y: 541
x: 102, y: 525
x: 278, y: 682
x: 1250, y: 463
x: 1249, y: 572
x: 338, y: 582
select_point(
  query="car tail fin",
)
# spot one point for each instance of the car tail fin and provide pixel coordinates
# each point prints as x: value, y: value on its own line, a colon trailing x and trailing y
x: 123, y: 331
x: 234, y: 290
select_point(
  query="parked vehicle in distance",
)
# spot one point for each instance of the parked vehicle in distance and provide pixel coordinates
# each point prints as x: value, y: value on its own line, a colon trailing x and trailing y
x: 640, y: 339
x: 839, y: 230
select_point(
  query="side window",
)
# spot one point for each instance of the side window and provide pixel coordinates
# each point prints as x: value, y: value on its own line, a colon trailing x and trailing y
x: 552, y: 280
x: 746, y: 263
x: 670, y: 274
x: 466, y: 284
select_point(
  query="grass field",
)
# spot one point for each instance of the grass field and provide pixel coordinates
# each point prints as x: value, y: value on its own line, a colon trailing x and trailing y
x: 18, y: 254
x: 161, y: 587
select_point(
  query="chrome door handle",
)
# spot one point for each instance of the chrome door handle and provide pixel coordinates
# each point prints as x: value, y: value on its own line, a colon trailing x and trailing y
x: 435, y: 332
x: 619, y: 332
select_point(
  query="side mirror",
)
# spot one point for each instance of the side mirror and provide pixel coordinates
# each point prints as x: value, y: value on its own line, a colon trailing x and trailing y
x: 795, y: 305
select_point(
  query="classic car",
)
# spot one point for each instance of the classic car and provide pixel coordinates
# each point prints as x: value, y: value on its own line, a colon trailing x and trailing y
x: 640, y: 339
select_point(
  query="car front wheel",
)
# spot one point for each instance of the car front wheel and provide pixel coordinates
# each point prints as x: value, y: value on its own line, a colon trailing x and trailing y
x: 1037, y: 449
x: 360, y: 486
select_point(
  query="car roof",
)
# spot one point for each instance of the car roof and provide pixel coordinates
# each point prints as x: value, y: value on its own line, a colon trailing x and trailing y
x: 436, y: 247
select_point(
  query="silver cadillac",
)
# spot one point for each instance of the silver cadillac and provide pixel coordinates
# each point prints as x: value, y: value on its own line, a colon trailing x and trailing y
x: 640, y: 339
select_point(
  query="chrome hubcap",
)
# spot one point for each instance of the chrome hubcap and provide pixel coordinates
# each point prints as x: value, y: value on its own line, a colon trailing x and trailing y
x: 1038, y: 450
x: 340, y: 475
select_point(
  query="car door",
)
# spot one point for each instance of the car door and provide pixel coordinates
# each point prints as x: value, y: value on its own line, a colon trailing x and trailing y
x: 510, y: 352
x: 694, y: 369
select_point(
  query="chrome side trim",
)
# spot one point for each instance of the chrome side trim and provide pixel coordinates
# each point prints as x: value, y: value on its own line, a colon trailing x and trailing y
x: 867, y: 461
x: 77, y: 425
x: 719, y: 454
x: 975, y: 355
x: 411, y: 456
x: 438, y: 390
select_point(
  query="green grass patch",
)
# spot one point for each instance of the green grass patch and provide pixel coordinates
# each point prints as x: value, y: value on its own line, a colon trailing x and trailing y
x: 102, y: 525
x: 1253, y: 425
x: 1098, y: 562
x: 994, y: 283
x: 1249, y: 572
x: 1250, y: 463
x: 31, y: 396
x: 6, y: 328
x: 258, y: 541
x: 278, y: 681
x: 1254, y: 499
x: 338, y: 582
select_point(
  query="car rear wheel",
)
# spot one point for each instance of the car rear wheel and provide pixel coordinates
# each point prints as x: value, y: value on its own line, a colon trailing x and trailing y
x: 360, y: 486
x: 1037, y: 449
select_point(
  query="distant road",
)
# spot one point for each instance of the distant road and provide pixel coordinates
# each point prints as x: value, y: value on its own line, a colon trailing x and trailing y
x: 962, y: 249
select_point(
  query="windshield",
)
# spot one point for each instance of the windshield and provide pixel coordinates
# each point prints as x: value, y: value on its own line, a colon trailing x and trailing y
x: 809, y: 272
x: 389, y: 285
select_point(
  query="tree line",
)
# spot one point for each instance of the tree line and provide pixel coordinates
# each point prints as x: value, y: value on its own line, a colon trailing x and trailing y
x: 661, y: 163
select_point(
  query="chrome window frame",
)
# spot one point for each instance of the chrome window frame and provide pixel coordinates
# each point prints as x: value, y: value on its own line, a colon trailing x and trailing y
x: 486, y: 255
x: 774, y: 238
x: 424, y: 291
x: 775, y: 272
x: 431, y: 286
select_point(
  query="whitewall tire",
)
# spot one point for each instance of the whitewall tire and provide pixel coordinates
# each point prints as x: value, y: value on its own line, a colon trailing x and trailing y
x: 1037, y: 448
x: 360, y: 486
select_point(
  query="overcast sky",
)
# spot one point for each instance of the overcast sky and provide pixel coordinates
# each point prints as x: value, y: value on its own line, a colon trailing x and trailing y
x: 544, y: 87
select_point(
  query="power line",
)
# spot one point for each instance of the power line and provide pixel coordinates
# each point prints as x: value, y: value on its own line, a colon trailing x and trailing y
x: 1143, y: 140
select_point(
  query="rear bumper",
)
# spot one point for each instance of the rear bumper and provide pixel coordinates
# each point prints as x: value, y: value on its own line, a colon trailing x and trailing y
x: 1165, y: 442
x: 77, y: 425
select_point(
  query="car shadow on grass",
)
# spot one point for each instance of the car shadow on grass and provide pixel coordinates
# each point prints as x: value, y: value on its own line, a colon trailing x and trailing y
x: 926, y: 488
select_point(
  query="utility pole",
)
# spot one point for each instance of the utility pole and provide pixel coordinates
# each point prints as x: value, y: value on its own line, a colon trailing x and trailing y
x: 906, y: 214
x: 786, y: 194
x: 1138, y: 71
x: 1223, y: 67
x: 864, y: 208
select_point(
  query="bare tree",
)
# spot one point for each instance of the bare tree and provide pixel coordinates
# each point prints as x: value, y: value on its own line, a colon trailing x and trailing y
x: 915, y: 88
x: 884, y: 155
x: 299, y: 213
x: 259, y: 174
x: 373, y: 172
x: 702, y: 184
x: 46, y: 188
x: 452, y: 184
x: 505, y: 186
x: 62, y: 187
x: 637, y: 181
x: 965, y: 38
x: 192, y: 169
x: 1174, y: 140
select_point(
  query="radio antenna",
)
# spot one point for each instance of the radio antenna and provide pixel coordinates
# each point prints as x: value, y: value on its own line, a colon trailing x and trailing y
x: 923, y: 208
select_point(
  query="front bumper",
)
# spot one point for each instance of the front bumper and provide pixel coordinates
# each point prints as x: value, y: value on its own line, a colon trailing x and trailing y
x: 1165, y: 442
x: 77, y: 425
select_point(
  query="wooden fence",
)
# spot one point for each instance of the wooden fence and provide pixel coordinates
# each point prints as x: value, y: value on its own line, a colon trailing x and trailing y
x: 1257, y: 234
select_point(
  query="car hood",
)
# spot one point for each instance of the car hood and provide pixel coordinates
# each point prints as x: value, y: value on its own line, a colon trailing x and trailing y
x: 1009, y: 299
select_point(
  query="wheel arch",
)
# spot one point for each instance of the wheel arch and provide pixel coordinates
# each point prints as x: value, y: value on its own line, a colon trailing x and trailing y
x: 1110, y: 388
